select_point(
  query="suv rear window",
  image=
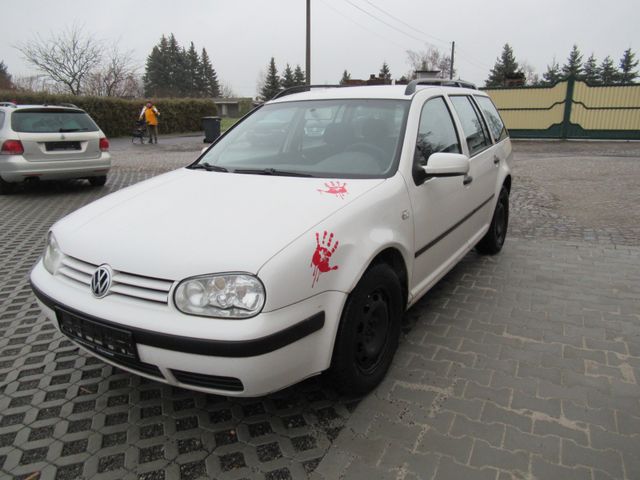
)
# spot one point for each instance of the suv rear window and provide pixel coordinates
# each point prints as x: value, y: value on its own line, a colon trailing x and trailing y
x: 51, y: 120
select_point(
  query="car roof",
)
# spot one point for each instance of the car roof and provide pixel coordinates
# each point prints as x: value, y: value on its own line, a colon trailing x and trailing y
x: 15, y: 107
x: 391, y: 92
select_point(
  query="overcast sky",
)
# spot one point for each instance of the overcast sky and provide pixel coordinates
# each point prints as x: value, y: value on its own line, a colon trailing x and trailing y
x: 242, y: 35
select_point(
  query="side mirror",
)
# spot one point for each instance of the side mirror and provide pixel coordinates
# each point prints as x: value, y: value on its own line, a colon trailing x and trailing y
x: 446, y: 165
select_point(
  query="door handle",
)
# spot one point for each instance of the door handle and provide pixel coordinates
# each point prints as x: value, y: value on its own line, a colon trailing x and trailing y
x: 496, y: 160
x: 467, y: 180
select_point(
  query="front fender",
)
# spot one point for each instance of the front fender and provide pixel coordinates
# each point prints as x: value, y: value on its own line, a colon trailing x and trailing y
x: 334, y: 255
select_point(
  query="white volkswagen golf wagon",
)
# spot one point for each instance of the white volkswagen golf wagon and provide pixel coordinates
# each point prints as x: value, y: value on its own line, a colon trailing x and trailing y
x: 291, y: 247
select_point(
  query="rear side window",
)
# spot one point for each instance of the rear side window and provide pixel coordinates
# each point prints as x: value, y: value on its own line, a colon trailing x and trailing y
x: 490, y: 112
x: 52, y: 121
x: 436, y: 132
x: 472, y: 125
x: 1, y: 119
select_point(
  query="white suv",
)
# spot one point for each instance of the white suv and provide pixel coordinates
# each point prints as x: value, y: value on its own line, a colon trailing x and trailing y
x: 50, y: 142
x: 282, y: 253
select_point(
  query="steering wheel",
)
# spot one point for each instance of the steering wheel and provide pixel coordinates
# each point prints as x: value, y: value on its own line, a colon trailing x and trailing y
x: 378, y: 154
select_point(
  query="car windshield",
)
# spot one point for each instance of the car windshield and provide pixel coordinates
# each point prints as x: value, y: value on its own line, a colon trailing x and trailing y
x: 50, y: 120
x: 319, y: 138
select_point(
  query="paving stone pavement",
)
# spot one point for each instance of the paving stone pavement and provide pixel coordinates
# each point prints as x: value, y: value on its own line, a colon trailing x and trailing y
x: 522, y: 365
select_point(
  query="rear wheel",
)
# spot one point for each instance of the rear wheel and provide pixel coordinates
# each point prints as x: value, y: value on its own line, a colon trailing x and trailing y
x: 493, y: 240
x: 98, y: 181
x: 6, y: 187
x: 369, y: 331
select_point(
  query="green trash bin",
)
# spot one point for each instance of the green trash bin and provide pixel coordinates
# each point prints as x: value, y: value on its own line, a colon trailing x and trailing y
x: 211, y: 127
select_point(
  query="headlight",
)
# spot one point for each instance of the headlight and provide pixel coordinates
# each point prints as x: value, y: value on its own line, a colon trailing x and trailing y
x: 52, y: 257
x: 225, y: 295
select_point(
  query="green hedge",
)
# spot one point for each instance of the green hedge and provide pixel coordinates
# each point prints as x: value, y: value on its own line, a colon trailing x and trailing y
x: 116, y: 116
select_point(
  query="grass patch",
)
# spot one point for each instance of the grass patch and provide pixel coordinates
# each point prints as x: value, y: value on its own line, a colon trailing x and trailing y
x: 227, y: 123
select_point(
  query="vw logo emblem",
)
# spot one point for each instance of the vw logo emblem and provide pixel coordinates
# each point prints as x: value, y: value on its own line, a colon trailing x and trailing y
x: 101, y: 281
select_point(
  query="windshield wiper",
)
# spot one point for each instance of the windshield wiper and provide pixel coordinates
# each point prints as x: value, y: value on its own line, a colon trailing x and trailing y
x: 208, y: 167
x: 69, y: 130
x: 271, y: 171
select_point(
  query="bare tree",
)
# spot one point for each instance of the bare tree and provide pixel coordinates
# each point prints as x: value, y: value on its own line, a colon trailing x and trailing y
x: 226, y: 91
x: 67, y: 57
x: 531, y: 77
x: 431, y: 59
x: 35, y: 83
x: 116, y: 77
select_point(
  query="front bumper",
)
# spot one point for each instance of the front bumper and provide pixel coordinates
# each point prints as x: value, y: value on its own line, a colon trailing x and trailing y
x: 14, y: 168
x: 215, y: 360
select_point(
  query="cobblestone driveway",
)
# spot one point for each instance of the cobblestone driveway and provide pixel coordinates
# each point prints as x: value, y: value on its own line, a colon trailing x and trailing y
x: 521, y: 365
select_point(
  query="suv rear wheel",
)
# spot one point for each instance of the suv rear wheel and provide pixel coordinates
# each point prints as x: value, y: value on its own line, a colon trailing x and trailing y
x: 369, y: 331
x: 493, y: 240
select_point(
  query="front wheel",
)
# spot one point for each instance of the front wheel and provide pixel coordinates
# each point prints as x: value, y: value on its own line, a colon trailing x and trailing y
x: 368, y: 333
x: 493, y: 240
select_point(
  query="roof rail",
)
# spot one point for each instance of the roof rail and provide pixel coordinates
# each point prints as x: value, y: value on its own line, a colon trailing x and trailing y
x: 411, y: 88
x: 8, y: 104
x: 302, y: 88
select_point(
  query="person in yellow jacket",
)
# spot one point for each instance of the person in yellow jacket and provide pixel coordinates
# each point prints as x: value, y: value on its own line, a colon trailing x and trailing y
x: 151, y: 114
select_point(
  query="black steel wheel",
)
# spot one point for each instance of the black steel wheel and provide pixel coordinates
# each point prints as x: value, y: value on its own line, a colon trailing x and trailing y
x: 494, y: 239
x: 369, y: 331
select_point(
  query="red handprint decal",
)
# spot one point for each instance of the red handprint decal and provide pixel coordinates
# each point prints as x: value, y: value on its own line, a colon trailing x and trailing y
x: 335, y: 188
x: 322, y: 255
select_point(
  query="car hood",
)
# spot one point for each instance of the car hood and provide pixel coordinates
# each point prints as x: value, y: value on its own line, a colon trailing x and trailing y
x: 191, y: 222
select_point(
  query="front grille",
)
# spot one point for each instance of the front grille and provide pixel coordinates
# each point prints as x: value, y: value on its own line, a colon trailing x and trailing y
x: 208, y: 381
x: 124, y: 284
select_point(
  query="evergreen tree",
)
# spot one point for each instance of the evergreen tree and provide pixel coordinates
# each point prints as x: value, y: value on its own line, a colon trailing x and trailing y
x: 288, y: 78
x: 385, y: 72
x: 193, y: 86
x: 271, y: 85
x: 5, y: 78
x: 553, y: 74
x: 211, y: 86
x: 157, y: 73
x: 346, y: 76
x: 178, y: 70
x: 628, y: 64
x: 591, y: 71
x: 504, y: 68
x: 298, y: 76
x: 573, y: 67
x: 608, y: 71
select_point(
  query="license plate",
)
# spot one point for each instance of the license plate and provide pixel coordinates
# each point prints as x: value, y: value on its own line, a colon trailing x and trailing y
x: 55, y: 146
x: 103, y: 339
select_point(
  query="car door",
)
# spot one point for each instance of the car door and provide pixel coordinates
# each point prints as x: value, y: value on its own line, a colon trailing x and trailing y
x: 438, y: 202
x: 483, y: 166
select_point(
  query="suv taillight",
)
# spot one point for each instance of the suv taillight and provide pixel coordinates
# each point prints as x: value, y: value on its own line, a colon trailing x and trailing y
x: 12, y: 147
x: 104, y: 144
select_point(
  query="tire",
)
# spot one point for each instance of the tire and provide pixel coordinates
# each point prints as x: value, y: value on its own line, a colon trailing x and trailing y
x: 98, y: 181
x: 494, y: 239
x: 6, y: 187
x: 368, y: 334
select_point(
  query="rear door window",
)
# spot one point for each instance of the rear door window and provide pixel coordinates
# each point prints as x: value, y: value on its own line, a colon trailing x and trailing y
x: 52, y: 121
x: 490, y: 112
x: 472, y: 125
